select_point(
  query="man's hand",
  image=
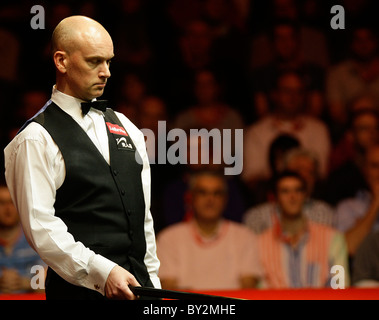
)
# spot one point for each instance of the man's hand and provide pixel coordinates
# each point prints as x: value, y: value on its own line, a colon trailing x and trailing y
x: 117, y: 285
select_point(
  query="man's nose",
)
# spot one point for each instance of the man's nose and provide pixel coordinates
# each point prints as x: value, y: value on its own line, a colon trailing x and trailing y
x: 105, y: 71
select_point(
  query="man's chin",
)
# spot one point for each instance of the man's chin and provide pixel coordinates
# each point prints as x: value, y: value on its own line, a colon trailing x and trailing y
x: 97, y: 93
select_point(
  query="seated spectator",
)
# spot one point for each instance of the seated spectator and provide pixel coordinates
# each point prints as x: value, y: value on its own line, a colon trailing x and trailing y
x: 313, y: 42
x: 296, y: 252
x: 347, y: 160
x: 175, y: 195
x: 208, y: 251
x: 209, y: 111
x: 357, y: 75
x: 285, y: 40
x: 16, y: 256
x: 366, y: 262
x: 230, y: 47
x: 261, y: 217
x: 288, y: 117
x: 197, y: 51
x: 358, y: 216
x: 362, y: 125
x: 194, y: 53
x: 260, y: 192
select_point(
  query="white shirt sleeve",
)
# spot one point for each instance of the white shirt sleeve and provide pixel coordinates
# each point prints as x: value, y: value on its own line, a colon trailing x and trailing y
x: 34, y: 171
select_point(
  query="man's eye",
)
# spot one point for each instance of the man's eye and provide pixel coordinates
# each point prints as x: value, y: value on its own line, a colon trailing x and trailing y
x: 94, y: 62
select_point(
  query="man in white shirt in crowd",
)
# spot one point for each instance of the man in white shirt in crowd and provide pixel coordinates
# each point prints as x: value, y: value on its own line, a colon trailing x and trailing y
x: 208, y: 252
x: 287, y: 117
x: 74, y: 176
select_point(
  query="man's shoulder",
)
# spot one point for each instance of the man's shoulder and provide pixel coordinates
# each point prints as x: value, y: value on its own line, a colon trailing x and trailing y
x: 34, y: 136
x: 174, y: 230
x: 320, y: 205
x: 361, y: 199
x: 239, y: 229
x: 321, y: 228
x: 32, y: 132
x: 262, y: 208
x: 262, y: 124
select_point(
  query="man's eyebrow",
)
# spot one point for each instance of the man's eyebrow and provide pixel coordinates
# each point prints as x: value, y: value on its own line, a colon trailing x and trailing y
x: 99, y: 58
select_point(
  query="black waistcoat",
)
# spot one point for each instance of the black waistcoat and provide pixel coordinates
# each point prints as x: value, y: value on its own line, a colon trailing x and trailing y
x: 102, y: 205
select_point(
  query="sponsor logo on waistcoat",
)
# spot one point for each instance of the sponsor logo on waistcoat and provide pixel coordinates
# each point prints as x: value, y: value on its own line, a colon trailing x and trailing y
x: 114, y: 128
x: 121, y: 136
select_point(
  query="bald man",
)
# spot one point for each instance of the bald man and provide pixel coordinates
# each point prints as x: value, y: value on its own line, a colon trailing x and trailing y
x: 79, y: 175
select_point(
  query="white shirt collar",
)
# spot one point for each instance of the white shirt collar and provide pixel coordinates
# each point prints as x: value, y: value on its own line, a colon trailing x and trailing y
x: 67, y: 103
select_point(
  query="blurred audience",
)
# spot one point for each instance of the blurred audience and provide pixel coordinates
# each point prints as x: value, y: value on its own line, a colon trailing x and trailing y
x: 32, y: 100
x: 279, y: 147
x: 16, y: 256
x: 285, y: 43
x: 358, y: 74
x: 9, y: 53
x: 177, y: 205
x: 296, y: 252
x: 261, y: 192
x: 358, y: 216
x: 132, y: 90
x: 194, y: 53
x: 287, y: 117
x: 366, y: 262
x: 131, y: 34
x: 346, y: 177
x: 313, y: 43
x: 151, y: 110
x: 208, y: 251
x: 261, y: 217
x: 209, y: 111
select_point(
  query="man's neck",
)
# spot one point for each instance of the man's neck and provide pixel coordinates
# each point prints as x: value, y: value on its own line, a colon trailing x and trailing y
x: 208, y: 228
x: 293, y: 226
x: 64, y: 87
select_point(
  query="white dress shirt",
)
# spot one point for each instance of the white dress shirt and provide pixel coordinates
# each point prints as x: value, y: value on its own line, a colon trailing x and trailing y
x: 35, y: 169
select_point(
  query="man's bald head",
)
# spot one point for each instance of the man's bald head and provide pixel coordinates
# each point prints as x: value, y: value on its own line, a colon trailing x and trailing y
x: 69, y: 34
x: 82, y: 52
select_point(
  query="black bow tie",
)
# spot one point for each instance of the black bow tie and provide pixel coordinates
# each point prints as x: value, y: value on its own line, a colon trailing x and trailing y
x: 97, y: 104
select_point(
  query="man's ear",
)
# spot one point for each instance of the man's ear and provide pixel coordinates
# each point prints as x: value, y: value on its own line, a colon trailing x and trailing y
x: 60, y: 61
